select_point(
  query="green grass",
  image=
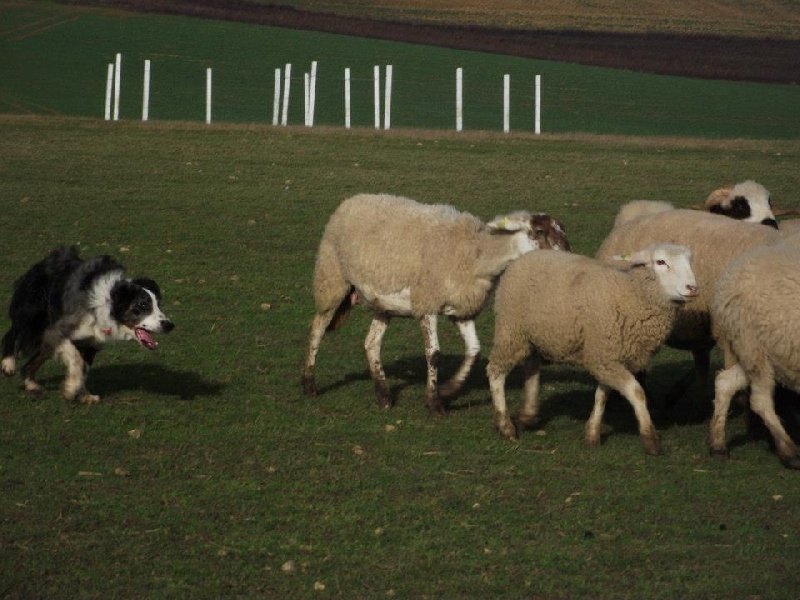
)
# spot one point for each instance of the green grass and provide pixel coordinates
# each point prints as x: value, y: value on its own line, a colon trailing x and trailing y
x: 205, y: 469
x: 55, y: 62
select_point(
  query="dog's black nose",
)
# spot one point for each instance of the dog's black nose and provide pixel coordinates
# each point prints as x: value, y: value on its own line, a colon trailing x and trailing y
x: 167, y: 326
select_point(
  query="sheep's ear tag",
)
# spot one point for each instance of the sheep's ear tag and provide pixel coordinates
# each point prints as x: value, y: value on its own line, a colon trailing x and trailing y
x: 499, y: 223
x: 507, y: 224
x: 633, y: 260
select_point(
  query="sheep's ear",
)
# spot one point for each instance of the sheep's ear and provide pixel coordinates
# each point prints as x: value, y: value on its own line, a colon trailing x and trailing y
x: 517, y: 221
x: 637, y: 259
x: 721, y: 196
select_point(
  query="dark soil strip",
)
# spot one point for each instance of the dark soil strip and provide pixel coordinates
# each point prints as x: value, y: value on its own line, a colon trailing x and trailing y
x: 706, y: 56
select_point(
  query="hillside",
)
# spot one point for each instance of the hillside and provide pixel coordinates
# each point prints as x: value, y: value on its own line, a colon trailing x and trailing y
x: 754, y: 41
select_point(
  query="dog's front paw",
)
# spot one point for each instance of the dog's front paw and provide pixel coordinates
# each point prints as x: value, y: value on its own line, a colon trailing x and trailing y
x: 8, y: 366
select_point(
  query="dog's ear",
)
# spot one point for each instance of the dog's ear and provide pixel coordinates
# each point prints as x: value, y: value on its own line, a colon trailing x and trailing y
x: 148, y: 284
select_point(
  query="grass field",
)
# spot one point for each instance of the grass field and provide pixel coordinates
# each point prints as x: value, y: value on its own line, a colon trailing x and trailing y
x: 205, y: 472
x: 56, y: 57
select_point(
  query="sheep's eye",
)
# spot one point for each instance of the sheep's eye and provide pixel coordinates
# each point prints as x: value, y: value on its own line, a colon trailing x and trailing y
x: 661, y: 262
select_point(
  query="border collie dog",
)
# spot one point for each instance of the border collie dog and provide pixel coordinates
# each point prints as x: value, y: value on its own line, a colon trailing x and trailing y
x: 69, y: 308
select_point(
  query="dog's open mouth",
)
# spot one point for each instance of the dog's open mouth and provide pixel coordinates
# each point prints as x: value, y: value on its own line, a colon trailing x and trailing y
x: 145, y: 339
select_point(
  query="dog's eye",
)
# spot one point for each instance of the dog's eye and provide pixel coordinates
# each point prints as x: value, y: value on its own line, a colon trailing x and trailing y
x: 141, y: 307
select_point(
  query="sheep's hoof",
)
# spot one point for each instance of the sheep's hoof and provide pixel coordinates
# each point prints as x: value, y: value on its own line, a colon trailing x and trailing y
x: 652, y: 446
x: 593, y: 441
x: 791, y: 462
x: 384, y: 399
x: 527, y: 421
x: 448, y: 390
x: 437, y: 405
x: 309, y: 385
x: 719, y: 453
x: 438, y: 410
x: 506, y: 428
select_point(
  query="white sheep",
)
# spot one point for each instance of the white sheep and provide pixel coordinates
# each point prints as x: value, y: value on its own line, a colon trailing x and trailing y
x: 714, y: 240
x: 756, y: 318
x: 565, y: 308
x: 640, y: 208
x: 402, y: 258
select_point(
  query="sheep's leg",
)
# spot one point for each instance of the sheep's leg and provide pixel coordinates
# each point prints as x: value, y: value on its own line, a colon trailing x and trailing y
x: 472, y: 350
x: 432, y: 354
x: 530, y: 404
x: 372, y: 346
x: 497, y: 381
x: 318, y: 327
x: 625, y: 383
x: 762, y: 403
x: 595, y: 422
x: 726, y: 384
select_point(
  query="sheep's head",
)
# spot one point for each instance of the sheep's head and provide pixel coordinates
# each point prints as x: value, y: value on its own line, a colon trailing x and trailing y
x: 544, y: 231
x: 747, y: 201
x: 672, y: 266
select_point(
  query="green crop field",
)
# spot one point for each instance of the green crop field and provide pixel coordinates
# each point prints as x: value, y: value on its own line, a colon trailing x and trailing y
x: 55, y: 61
x: 206, y: 473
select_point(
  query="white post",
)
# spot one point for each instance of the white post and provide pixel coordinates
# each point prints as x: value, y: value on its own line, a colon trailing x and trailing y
x: 146, y: 92
x: 306, y: 100
x: 312, y: 102
x: 538, y: 116
x: 506, y: 103
x: 276, y: 99
x: 459, y: 99
x: 387, y: 99
x: 376, y: 71
x: 117, y: 81
x: 287, y: 78
x: 109, y: 88
x: 347, y: 98
x: 208, y: 96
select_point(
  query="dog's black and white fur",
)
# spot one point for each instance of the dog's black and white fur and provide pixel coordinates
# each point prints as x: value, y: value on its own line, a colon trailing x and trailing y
x: 69, y: 308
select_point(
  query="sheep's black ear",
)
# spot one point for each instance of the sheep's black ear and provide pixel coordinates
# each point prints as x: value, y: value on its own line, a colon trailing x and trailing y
x: 148, y: 284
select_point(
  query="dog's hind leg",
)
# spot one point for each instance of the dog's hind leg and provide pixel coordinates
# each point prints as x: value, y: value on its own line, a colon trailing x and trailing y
x: 29, y: 372
x: 9, y: 362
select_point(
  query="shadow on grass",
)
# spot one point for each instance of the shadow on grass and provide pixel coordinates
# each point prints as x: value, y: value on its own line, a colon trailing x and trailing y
x: 694, y: 408
x: 577, y: 403
x: 107, y: 380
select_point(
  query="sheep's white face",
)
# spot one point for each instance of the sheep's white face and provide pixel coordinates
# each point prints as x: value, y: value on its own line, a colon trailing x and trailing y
x: 672, y: 265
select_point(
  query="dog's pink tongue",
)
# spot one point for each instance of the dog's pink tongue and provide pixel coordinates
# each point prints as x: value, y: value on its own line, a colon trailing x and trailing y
x: 145, y: 339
